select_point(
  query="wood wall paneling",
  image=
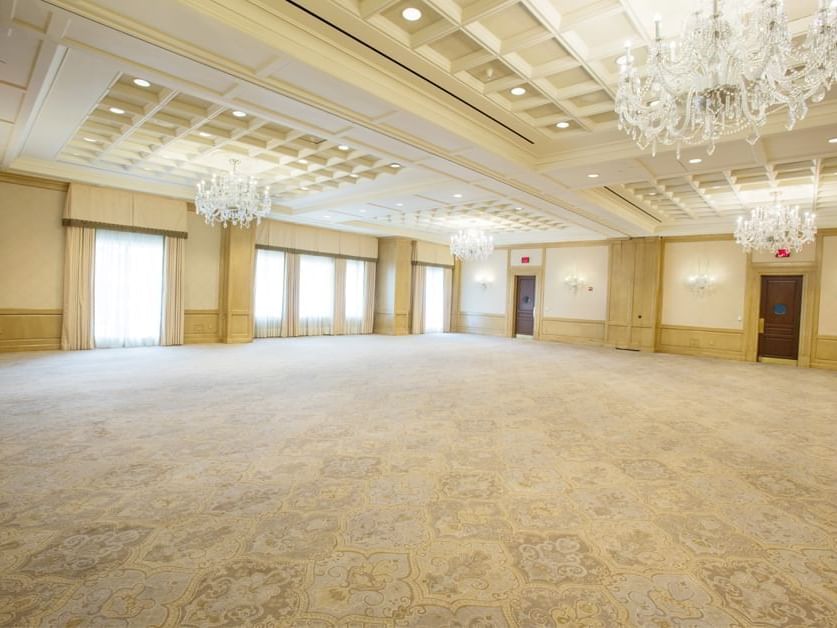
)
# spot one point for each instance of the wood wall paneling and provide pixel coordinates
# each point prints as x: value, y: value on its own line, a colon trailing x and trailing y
x: 30, y: 330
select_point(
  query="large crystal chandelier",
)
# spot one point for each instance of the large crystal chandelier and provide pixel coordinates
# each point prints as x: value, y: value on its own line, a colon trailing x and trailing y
x: 471, y: 244
x: 775, y: 227
x: 232, y: 198
x: 727, y: 72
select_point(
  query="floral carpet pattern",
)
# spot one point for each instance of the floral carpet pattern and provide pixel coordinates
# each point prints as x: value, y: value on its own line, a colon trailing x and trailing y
x: 439, y: 481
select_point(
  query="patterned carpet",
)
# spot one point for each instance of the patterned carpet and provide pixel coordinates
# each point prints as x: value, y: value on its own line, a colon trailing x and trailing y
x: 422, y: 481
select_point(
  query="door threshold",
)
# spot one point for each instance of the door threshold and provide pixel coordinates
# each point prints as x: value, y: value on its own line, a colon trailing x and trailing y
x: 524, y: 336
x: 786, y: 361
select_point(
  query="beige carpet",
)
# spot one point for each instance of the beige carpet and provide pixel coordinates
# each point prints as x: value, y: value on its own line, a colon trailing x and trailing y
x: 423, y: 481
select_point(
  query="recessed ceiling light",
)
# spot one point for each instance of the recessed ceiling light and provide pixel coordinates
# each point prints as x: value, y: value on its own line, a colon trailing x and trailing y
x: 141, y: 82
x: 204, y: 134
x: 303, y: 188
x: 362, y: 211
x: 518, y: 91
x: 399, y: 204
x: 354, y: 176
x: 117, y: 111
x: 833, y: 140
x: 342, y: 147
x: 696, y: 160
x: 593, y: 175
x: 302, y: 161
x: 327, y: 217
x: 563, y: 125
x: 239, y: 114
x: 147, y: 168
x: 457, y: 195
x: 517, y: 209
x: 91, y: 140
x: 652, y: 194
x: 411, y: 14
x: 395, y: 165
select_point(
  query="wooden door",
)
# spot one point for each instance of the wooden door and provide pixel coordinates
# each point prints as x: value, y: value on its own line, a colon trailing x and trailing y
x: 524, y: 320
x: 779, y: 316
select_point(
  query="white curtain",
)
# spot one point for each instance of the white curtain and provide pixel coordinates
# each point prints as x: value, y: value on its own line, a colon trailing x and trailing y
x: 127, y: 289
x: 269, y: 290
x: 434, y: 300
x: 316, y: 295
x: 355, y: 296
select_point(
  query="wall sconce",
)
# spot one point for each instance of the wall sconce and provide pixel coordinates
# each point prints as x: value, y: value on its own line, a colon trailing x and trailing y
x: 574, y: 282
x: 701, y: 284
x: 484, y: 281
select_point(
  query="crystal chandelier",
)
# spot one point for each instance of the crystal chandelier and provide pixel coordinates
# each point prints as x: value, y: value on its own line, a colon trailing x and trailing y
x: 232, y: 198
x: 775, y: 227
x: 727, y: 72
x: 471, y: 244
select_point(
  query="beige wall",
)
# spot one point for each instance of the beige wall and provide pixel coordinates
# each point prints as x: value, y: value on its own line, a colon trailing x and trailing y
x: 828, y: 294
x: 31, y: 247
x: 493, y: 272
x: 589, y: 302
x: 720, y: 307
x: 203, y: 258
x: 535, y: 256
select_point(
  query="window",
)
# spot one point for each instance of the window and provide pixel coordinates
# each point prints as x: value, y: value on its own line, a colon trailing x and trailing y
x: 316, y: 294
x: 127, y: 289
x: 434, y: 300
x: 355, y: 295
x: 269, y: 293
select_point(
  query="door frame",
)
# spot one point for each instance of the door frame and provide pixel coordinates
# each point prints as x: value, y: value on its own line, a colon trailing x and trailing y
x: 511, y: 297
x: 808, y: 314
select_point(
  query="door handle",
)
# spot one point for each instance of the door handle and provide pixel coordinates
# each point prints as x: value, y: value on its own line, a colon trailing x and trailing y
x: 761, y: 325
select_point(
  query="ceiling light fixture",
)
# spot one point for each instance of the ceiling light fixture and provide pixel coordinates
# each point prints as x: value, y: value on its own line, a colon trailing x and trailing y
x: 517, y: 209
x: 411, y: 14
x: 728, y: 71
x: 471, y: 244
x: 775, y: 227
x: 302, y: 161
x: 517, y: 91
x: 141, y: 82
x: 593, y: 175
x: 91, y: 140
x: 239, y: 114
x: 353, y: 175
x: 395, y: 165
x: 696, y: 160
x: 399, y: 204
x: 833, y: 140
x: 232, y: 198
x: 117, y: 111
x: 457, y: 195
x: 204, y: 134
x: 342, y: 147
x: 562, y: 125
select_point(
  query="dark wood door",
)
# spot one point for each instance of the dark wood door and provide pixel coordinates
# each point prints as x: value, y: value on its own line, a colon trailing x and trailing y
x: 779, y: 315
x: 525, y: 314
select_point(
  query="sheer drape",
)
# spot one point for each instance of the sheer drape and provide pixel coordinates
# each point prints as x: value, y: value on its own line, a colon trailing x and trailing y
x: 316, y: 295
x: 291, y: 309
x: 434, y: 300
x: 79, y: 256
x: 269, y: 288
x: 419, y: 275
x: 448, y: 297
x: 128, y: 289
x: 355, y: 296
x: 370, y: 269
x: 172, y: 333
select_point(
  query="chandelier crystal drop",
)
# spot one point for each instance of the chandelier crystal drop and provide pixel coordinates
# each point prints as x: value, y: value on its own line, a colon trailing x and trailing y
x: 232, y: 198
x: 775, y: 227
x: 725, y: 74
x: 471, y: 244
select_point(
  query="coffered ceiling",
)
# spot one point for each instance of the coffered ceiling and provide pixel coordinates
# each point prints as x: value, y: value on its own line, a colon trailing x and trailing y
x: 362, y: 120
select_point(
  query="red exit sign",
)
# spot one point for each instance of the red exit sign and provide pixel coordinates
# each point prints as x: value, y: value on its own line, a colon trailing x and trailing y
x: 524, y: 260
